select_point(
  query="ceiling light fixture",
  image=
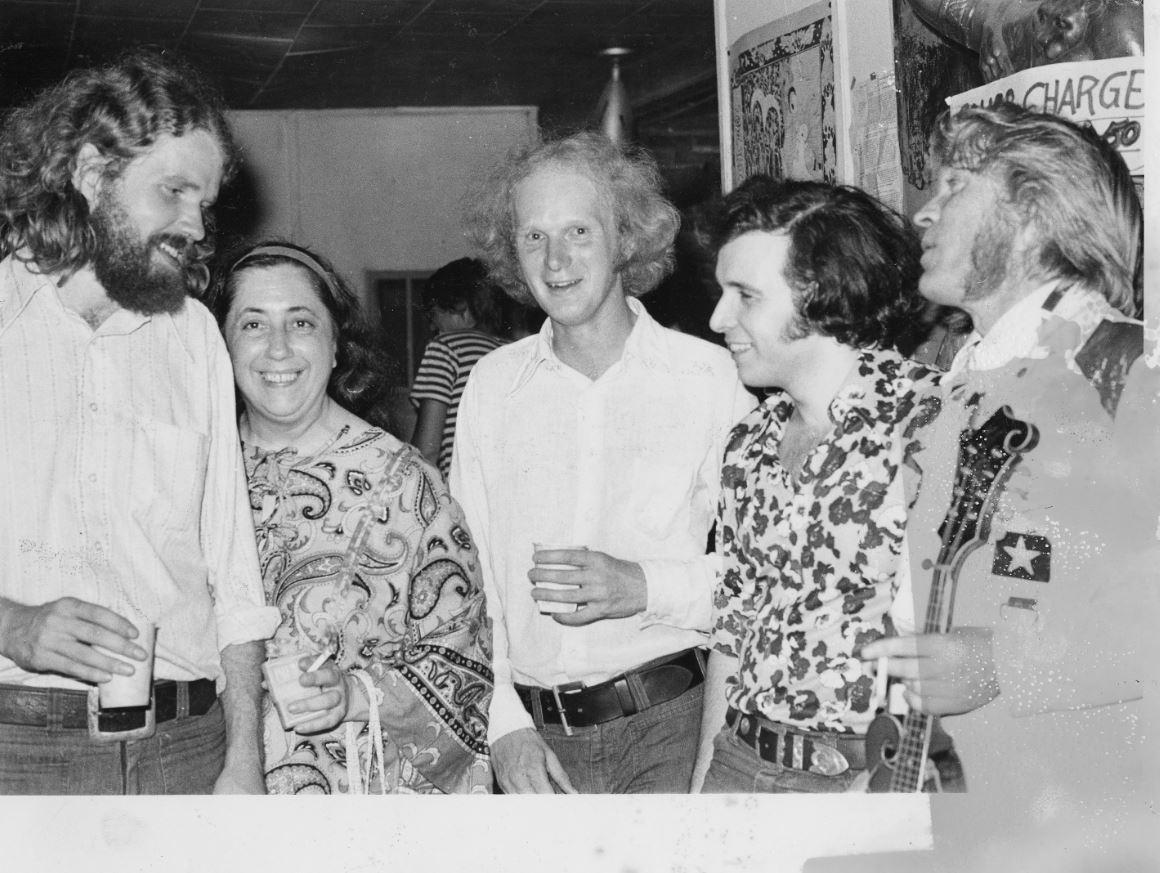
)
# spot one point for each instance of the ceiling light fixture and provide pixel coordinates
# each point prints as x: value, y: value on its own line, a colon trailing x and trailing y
x: 614, y: 110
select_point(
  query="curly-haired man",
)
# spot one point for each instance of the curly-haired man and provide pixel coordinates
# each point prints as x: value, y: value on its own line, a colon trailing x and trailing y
x: 123, y: 502
x: 601, y: 435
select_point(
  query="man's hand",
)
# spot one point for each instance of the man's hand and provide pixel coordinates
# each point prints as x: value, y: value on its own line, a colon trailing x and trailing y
x: 58, y: 637
x: 524, y: 764
x: 944, y: 674
x: 605, y: 587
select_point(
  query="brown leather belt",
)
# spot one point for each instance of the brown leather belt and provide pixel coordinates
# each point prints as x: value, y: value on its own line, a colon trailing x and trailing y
x: 42, y: 707
x: 576, y: 705
x: 827, y: 753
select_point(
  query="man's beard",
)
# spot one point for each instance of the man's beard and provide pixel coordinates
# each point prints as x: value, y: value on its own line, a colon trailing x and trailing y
x: 991, y: 257
x: 124, y: 263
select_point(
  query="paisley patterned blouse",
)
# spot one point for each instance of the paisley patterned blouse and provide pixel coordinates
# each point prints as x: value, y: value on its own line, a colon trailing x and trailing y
x: 808, y: 575
x: 408, y: 609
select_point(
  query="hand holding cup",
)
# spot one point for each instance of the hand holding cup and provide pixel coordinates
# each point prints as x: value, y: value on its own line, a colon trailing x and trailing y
x: 547, y: 605
x: 294, y: 686
x: 136, y: 688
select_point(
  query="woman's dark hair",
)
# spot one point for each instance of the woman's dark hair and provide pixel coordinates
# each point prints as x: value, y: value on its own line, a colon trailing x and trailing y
x: 360, y: 374
x: 463, y: 285
x: 853, y: 261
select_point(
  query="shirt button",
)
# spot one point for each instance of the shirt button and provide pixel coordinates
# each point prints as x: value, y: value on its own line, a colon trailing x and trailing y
x: 93, y: 407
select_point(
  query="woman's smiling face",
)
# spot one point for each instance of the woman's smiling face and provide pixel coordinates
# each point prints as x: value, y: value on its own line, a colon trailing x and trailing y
x: 283, y: 342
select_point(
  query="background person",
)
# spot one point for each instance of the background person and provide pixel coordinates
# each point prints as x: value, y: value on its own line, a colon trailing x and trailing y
x: 464, y: 310
x: 362, y: 549
x: 122, y: 498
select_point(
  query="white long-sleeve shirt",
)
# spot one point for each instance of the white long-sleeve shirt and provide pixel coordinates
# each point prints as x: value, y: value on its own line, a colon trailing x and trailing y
x: 121, y: 479
x: 627, y: 464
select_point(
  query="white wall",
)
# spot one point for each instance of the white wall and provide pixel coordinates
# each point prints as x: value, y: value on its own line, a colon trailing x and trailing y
x: 863, y: 44
x: 374, y: 189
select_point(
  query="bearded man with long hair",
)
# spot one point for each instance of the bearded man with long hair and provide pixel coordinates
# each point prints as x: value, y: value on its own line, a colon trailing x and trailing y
x: 124, y: 507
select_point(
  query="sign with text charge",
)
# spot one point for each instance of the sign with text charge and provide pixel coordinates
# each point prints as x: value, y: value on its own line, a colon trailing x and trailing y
x: 1106, y: 95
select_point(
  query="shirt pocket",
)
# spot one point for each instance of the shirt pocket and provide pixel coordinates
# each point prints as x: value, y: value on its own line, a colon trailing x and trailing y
x: 168, y: 472
x: 660, y: 494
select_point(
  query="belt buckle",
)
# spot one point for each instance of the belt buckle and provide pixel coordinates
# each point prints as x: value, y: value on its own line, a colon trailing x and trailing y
x: 827, y: 760
x: 99, y: 736
x: 567, y: 688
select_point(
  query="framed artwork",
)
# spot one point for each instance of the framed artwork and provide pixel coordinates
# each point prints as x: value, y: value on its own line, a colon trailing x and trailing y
x: 781, y: 82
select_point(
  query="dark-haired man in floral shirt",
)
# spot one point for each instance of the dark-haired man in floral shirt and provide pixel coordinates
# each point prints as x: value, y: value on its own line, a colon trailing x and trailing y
x: 818, y: 291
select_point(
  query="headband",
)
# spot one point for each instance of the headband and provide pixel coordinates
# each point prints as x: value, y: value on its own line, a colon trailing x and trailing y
x: 298, y: 256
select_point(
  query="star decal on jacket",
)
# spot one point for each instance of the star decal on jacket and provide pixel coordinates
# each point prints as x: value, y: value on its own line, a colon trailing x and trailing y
x: 1023, y: 556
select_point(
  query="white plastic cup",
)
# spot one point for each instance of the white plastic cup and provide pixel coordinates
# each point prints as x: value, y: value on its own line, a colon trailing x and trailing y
x: 134, y: 690
x: 547, y: 607
x: 281, y: 675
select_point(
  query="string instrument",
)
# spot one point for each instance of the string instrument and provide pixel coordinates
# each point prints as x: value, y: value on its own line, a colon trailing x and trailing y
x: 916, y: 754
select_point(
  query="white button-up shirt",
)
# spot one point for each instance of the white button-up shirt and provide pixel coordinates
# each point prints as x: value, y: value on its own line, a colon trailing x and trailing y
x: 628, y: 464
x: 122, y: 475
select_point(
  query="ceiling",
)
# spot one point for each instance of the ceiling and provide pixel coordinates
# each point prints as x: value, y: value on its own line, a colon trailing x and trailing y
x: 328, y: 54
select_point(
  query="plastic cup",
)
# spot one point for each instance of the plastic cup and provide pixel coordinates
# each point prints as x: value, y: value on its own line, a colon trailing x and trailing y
x: 281, y: 676
x: 547, y: 607
x: 137, y: 689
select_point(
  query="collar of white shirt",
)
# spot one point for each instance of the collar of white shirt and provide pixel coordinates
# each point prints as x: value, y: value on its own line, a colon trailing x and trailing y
x: 645, y: 344
x: 19, y: 275
x: 1014, y: 335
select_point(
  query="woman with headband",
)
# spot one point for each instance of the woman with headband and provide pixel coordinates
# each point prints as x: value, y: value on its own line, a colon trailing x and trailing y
x: 362, y: 550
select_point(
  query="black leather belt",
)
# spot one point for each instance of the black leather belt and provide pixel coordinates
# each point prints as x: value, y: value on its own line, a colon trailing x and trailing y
x: 576, y: 705
x: 826, y: 753
x: 40, y: 707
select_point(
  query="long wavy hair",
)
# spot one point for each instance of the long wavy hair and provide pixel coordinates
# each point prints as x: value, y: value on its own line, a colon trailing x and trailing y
x: 122, y: 109
x: 1066, y: 180
x: 628, y: 181
x: 361, y: 373
x: 853, y: 262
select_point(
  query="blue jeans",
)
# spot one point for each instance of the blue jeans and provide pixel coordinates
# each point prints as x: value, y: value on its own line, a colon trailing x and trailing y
x: 651, y: 752
x: 738, y: 769
x: 185, y: 756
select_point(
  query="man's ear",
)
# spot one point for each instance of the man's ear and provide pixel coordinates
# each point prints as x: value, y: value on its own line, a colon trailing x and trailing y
x: 88, y: 173
x: 626, y: 248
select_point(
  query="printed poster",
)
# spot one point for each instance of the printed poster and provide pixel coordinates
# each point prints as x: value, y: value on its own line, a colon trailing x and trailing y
x: 1106, y: 95
x: 781, y: 78
x: 874, y: 139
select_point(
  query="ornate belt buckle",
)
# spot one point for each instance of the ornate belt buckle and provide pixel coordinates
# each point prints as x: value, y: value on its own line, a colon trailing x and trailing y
x: 99, y: 736
x: 827, y: 760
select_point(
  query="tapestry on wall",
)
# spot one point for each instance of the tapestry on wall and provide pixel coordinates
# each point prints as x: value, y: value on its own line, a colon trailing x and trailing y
x: 928, y: 69
x: 781, y: 78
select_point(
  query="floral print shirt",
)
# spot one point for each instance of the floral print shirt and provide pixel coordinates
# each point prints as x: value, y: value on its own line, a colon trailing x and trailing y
x: 364, y: 553
x: 809, y: 568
